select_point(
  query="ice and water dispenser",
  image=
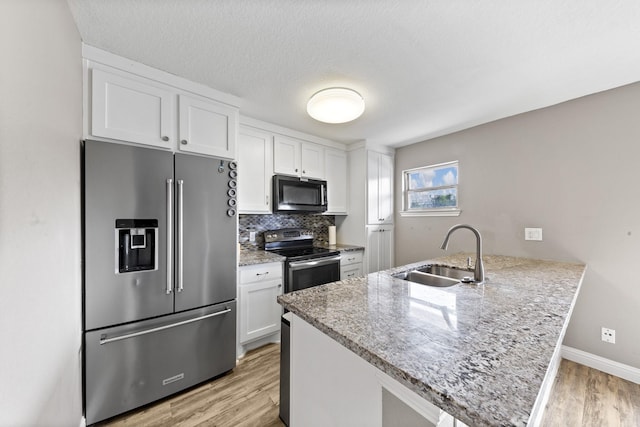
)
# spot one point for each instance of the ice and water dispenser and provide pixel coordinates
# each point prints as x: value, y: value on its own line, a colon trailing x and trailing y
x: 136, y: 245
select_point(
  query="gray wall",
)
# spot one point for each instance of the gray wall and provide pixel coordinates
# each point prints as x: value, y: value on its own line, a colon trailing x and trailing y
x: 40, y: 131
x: 572, y: 169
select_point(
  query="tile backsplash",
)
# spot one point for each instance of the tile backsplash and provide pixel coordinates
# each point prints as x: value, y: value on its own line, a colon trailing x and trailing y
x: 317, y: 224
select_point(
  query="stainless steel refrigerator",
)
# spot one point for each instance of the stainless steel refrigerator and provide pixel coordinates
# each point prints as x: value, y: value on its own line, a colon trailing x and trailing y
x: 159, y: 288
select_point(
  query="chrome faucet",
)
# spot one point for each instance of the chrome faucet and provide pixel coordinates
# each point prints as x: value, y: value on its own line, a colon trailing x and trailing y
x: 478, y: 272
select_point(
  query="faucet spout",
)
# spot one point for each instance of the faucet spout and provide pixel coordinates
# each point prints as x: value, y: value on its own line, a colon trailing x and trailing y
x: 478, y: 273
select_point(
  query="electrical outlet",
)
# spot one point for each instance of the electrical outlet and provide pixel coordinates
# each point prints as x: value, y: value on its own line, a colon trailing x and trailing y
x: 252, y: 236
x: 533, y: 234
x: 609, y: 335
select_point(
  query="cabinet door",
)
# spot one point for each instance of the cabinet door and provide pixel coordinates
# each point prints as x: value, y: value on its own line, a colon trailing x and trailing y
x: 379, y: 188
x: 385, y: 189
x: 380, y: 251
x: 337, y: 181
x: 312, y: 160
x: 255, y: 168
x: 207, y: 127
x: 259, y: 311
x: 286, y: 155
x: 131, y: 110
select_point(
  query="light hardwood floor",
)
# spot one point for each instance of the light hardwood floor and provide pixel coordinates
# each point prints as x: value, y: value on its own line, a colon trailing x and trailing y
x: 249, y: 396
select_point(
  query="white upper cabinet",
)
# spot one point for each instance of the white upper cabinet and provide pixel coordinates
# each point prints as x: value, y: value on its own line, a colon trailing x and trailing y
x: 312, y: 160
x: 286, y: 155
x: 207, y: 127
x: 131, y: 109
x: 335, y: 162
x: 255, y: 169
x: 379, y: 188
x: 130, y: 102
x: 298, y: 158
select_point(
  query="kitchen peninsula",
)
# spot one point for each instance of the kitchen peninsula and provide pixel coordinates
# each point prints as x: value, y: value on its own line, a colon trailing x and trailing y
x: 487, y: 355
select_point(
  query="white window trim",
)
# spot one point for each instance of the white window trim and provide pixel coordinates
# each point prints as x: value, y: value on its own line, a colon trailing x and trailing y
x: 443, y: 212
x: 433, y: 212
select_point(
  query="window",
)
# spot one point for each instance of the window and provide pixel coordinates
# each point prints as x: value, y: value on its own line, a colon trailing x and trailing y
x: 431, y: 190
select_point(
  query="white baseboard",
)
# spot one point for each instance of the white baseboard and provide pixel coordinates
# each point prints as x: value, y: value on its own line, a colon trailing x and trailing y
x: 83, y: 422
x: 620, y: 370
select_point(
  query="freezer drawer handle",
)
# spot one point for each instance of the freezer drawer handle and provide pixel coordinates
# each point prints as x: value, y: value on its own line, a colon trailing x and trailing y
x: 104, y: 340
x: 169, y: 235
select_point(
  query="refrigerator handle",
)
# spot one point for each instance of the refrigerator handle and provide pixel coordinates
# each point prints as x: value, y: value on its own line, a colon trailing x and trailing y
x: 180, y: 234
x: 169, y: 287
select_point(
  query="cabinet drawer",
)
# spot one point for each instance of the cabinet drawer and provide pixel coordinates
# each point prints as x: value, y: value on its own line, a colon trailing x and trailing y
x: 351, y: 257
x: 350, y: 271
x: 260, y: 272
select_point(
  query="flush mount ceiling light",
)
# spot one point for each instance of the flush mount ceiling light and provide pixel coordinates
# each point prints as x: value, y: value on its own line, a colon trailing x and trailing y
x: 335, y: 105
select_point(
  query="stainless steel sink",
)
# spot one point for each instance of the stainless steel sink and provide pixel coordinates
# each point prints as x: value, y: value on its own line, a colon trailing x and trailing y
x: 436, y: 275
x: 452, y: 272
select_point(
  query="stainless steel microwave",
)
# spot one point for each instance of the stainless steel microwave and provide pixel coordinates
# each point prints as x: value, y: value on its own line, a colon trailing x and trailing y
x: 299, y: 195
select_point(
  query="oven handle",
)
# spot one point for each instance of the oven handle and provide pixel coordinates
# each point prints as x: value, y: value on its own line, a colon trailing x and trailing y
x: 314, y: 262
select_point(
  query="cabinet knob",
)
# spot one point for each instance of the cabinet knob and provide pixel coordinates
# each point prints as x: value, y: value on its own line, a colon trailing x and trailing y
x: 296, y: 170
x: 183, y: 142
x: 304, y: 171
x: 165, y: 138
x: 280, y: 285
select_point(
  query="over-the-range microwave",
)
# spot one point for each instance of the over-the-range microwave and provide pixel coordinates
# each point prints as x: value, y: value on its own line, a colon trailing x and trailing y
x: 299, y: 195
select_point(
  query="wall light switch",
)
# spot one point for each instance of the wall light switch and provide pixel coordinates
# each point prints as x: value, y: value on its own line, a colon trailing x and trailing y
x: 252, y: 236
x: 533, y: 234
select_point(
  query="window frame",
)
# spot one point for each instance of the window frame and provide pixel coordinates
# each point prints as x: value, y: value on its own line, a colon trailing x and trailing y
x: 443, y: 211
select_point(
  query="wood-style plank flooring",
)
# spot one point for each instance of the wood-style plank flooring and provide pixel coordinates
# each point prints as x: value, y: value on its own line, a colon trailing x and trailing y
x: 586, y: 397
x: 249, y: 397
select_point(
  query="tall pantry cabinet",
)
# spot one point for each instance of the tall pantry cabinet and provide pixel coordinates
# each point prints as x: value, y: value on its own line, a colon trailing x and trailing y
x: 370, y: 219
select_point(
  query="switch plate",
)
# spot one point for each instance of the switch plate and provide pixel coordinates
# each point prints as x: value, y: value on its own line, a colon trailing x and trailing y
x: 609, y: 335
x: 533, y: 234
x: 252, y: 236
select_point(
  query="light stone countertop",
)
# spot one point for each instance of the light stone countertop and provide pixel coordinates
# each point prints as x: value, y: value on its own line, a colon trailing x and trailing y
x: 480, y: 353
x: 253, y: 257
x: 258, y: 256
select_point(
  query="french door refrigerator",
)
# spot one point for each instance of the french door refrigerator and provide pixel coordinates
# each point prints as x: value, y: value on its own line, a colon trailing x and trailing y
x: 159, y: 288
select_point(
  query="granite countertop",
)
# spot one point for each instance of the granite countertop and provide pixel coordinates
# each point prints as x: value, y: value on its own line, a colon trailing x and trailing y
x: 257, y: 256
x: 343, y: 248
x: 480, y: 353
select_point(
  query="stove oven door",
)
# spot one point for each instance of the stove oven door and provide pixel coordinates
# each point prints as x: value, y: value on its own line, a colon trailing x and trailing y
x: 311, y: 272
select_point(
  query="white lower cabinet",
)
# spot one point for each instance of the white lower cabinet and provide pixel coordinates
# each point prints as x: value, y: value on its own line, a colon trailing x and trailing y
x: 351, y: 264
x: 379, y: 248
x: 259, y: 312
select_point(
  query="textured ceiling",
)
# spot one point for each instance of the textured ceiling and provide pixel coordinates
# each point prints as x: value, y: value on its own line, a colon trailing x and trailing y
x: 425, y: 67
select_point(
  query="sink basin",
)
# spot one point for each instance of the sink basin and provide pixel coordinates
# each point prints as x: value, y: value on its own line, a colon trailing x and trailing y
x: 428, y: 279
x: 452, y: 272
x: 437, y: 275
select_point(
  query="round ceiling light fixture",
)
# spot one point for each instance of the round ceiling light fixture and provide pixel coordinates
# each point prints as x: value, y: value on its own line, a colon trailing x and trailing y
x: 335, y: 105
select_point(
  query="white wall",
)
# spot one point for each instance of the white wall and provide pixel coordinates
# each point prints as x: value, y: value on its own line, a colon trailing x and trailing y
x: 40, y: 276
x: 572, y: 169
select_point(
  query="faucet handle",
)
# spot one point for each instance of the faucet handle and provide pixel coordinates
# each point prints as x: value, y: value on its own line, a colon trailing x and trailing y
x: 469, y: 262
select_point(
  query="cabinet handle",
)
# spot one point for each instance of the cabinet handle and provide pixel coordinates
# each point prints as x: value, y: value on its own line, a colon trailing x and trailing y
x: 165, y: 138
x: 262, y: 274
x: 267, y: 200
x: 184, y: 142
x: 350, y: 259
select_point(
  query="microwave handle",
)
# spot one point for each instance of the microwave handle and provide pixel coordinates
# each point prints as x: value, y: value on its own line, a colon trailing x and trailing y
x: 323, y: 194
